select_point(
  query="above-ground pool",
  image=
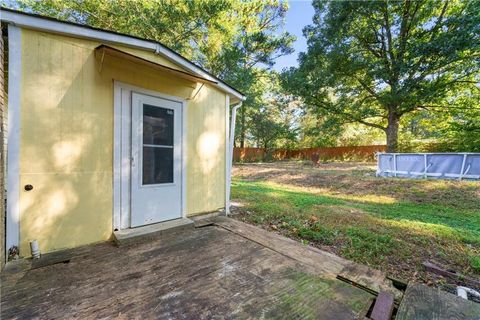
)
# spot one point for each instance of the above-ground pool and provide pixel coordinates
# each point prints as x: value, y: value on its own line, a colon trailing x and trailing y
x: 429, y: 165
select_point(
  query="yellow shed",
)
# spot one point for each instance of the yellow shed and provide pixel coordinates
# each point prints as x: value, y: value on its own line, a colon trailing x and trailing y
x: 107, y: 132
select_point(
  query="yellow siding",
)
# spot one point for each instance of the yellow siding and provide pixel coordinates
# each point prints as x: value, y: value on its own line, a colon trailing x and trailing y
x: 67, y: 139
x: 206, y: 152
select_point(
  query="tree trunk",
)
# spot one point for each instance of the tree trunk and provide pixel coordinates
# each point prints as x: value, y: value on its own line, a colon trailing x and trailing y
x: 242, y: 127
x: 392, y: 132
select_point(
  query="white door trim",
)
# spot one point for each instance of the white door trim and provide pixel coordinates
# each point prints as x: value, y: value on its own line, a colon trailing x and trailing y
x: 13, y: 138
x: 121, y: 153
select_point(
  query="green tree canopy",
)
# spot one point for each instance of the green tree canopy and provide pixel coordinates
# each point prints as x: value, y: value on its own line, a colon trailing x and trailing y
x: 273, y: 124
x: 372, y: 62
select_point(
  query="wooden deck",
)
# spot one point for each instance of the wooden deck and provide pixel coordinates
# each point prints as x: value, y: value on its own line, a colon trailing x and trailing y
x: 226, y: 270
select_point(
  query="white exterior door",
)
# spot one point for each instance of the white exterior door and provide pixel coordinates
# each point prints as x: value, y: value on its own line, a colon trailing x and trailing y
x: 156, y: 164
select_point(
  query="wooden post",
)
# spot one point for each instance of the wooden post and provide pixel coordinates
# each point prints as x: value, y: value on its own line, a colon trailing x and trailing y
x: 383, y: 308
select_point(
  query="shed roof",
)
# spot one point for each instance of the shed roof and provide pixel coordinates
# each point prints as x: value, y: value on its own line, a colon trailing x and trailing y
x: 49, y: 24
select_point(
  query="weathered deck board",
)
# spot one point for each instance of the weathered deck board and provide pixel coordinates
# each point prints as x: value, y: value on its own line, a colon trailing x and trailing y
x: 421, y: 302
x: 383, y: 308
x: 324, y: 263
x: 206, y: 273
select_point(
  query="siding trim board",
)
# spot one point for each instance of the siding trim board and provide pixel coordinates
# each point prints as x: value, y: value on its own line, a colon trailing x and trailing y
x: 13, y: 153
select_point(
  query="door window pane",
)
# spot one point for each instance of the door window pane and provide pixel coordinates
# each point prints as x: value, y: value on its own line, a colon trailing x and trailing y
x: 157, y: 125
x: 157, y: 165
x: 157, y: 145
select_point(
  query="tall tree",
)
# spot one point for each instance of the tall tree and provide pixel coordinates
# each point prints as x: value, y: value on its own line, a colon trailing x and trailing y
x: 247, y: 62
x: 273, y: 124
x: 372, y: 62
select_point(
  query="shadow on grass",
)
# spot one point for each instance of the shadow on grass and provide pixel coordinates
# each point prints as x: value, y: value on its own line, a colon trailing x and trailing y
x: 274, y: 199
x: 447, y: 193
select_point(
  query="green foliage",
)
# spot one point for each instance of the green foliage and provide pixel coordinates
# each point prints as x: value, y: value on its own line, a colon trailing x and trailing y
x: 455, y: 129
x: 319, y: 131
x: 462, y: 131
x: 374, y: 62
x: 317, y: 233
x: 463, y: 137
x: 475, y: 263
x: 270, y: 125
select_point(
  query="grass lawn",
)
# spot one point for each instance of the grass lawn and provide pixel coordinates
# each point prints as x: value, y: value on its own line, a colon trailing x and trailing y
x: 390, y: 224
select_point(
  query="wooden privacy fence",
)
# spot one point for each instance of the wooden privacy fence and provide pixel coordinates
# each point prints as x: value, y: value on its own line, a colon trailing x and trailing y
x: 356, y: 153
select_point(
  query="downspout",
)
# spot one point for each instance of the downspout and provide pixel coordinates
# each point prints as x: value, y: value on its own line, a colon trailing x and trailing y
x: 230, y: 155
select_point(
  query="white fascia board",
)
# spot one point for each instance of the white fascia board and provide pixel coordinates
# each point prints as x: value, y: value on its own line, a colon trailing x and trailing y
x: 38, y: 23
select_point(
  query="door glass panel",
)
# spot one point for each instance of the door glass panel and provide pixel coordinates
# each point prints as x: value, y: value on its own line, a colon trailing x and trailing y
x: 157, y: 145
x: 157, y: 165
x: 157, y: 125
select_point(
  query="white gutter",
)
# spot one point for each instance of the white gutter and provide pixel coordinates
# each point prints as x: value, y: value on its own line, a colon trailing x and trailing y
x: 78, y: 31
x: 230, y: 156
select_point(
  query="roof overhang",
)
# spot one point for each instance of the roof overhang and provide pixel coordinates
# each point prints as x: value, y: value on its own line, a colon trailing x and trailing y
x: 104, y: 51
x: 36, y: 22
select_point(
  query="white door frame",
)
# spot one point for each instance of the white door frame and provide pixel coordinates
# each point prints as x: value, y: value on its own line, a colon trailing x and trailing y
x: 122, y: 151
